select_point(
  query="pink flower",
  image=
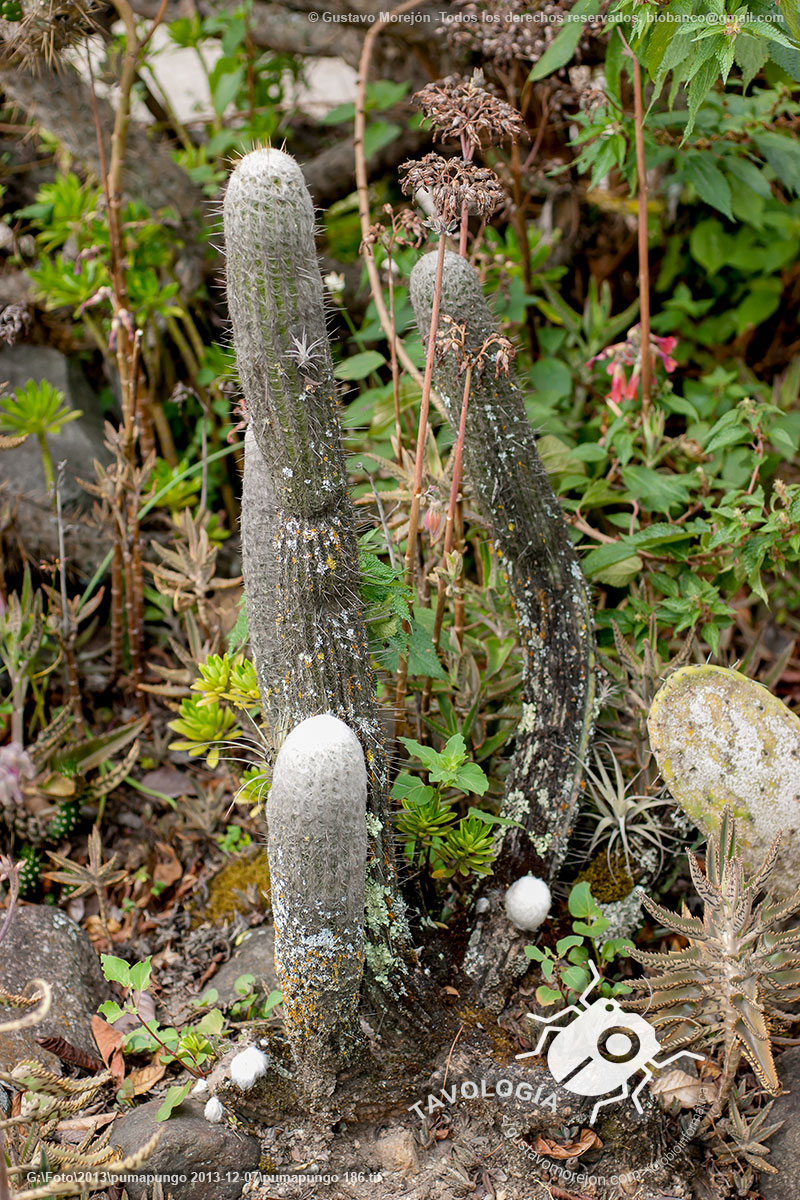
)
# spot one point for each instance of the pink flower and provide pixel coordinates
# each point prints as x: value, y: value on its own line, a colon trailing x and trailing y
x: 626, y: 354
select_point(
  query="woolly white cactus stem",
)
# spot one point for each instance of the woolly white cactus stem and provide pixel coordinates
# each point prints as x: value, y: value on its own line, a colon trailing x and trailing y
x: 300, y: 555
x: 317, y: 817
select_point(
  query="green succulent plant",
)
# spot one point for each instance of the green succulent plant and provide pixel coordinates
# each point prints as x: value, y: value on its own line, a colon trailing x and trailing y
x: 733, y: 980
x: 37, y: 409
x: 229, y: 678
x: 206, y: 728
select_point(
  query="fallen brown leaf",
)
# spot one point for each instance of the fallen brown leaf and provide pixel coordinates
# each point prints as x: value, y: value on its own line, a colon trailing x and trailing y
x: 686, y: 1089
x: 587, y: 1140
x: 142, y: 1079
x: 109, y: 1043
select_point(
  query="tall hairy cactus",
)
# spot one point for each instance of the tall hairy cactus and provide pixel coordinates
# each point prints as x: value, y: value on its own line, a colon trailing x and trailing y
x: 316, y: 813
x: 545, y: 579
x: 300, y: 554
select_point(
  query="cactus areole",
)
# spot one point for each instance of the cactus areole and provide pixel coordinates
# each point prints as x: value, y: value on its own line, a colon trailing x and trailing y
x: 545, y: 579
x: 317, y: 817
x: 300, y: 555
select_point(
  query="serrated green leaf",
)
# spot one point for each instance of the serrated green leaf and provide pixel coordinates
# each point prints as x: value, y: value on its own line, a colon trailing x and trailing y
x: 750, y: 54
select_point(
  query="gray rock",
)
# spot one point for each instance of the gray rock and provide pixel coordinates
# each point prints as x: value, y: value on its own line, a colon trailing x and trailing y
x: 784, y: 1146
x: 45, y: 943
x: 254, y: 956
x: 195, y: 1159
x: 22, y: 483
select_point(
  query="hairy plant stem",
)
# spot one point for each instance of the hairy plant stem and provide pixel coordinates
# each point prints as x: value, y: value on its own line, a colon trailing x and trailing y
x: 450, y: 527
x: 641, y: 223
x: 419, y: 464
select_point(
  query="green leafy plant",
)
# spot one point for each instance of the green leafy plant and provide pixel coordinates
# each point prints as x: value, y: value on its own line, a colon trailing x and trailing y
x: 252, y: 1003
x: 192, y: 1047
x: 436, y: 839
x: 37, y: 409
x: 565, y: 964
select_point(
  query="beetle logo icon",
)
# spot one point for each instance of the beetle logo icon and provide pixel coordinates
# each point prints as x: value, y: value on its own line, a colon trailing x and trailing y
x: 601, y: 1050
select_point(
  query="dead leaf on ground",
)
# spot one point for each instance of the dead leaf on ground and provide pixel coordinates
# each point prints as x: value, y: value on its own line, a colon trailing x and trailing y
x: 109, y: 1043
x: 142, y: 1079
x: 587, y: 1140
x: 168, y: 869
x: 686, y: 1089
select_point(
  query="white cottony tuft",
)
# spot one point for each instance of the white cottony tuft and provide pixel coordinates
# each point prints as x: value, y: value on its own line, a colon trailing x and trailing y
x: 213, y: 1110
x: 528, y: 902
x: 248, y: 1066
x: 200, y: 1087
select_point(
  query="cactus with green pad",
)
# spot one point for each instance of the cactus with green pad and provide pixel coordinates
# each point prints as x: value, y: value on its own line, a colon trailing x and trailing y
x: 722, y: 739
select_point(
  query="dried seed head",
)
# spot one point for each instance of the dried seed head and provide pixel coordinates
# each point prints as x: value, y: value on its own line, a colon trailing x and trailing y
x: 467, y: 112
x: 453, y: 183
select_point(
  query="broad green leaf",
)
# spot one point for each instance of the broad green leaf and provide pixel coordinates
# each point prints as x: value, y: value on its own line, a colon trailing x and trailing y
x: 470, y: 778
x: 110, y: 1010
x: 575, y: 978
x: 565, y: 43
x: 709, y: 245
x: 581, y: 902
x: 175, y: 1096
x: 211, y: 1024
x: 225, y: 89
x: 782, y: 152
x: 116, y: 970
x: 759, y: 304
x: 655, y: 490
x: 379, y: 134
x: 358, y: 366
x: 139, y: 978
x: 699, y: 88
x: 566, y: 943
x: 708, y: 181
x: 547, y: 996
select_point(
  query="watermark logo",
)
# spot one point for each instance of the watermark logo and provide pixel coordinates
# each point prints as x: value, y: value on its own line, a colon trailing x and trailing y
x: 601, y: 1049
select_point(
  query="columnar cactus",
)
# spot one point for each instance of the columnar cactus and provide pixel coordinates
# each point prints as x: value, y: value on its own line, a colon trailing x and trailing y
x: 552, y: 607
x: 300, y: 554
x: 545, y: 579
x: 316, y: 813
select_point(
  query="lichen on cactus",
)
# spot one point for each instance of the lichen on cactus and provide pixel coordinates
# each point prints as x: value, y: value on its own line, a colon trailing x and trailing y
x: 316, y: 813
x: 300, y: 554
x: 545, y: 580
x: 722, y: 739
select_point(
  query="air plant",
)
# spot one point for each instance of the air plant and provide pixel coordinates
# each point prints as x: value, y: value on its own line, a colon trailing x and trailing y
x: 623, y: 821
x: 732, y: 981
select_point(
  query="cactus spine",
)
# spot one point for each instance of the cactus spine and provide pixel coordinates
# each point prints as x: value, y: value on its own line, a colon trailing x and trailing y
x: 545, y: 579
x: 316, y: 813
x: 300, y: 555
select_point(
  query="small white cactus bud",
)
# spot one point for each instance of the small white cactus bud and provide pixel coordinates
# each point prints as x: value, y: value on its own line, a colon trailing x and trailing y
x: 528, y: 902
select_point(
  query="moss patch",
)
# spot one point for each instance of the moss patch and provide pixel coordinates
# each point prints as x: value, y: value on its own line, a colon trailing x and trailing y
x: 608, y: 877
x: 228, y: 889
